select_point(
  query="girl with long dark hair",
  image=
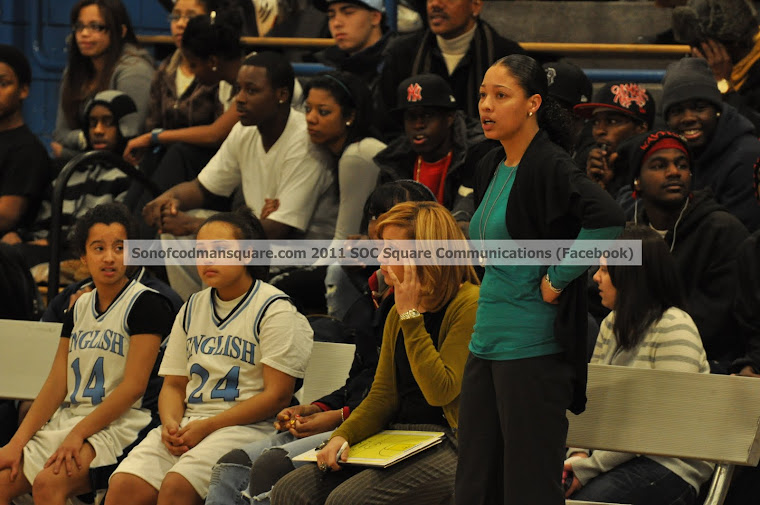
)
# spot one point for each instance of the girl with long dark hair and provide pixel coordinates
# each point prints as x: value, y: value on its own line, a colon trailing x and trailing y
x: 338, y: 109
x: 647, y: 328
x: 103, y: 54
x: 528, y: 358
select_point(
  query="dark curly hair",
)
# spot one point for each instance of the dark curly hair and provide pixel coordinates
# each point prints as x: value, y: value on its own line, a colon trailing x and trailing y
x: 106, y: 213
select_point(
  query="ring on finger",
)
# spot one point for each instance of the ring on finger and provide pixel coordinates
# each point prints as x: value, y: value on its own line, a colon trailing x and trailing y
x: 323, y: 467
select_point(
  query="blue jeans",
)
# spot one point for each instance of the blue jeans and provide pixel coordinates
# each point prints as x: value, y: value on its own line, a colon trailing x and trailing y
x: 639, y: 481
x: 231, y: 476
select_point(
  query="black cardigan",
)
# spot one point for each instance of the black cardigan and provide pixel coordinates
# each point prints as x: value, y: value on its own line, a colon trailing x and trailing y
x: 552, y: 199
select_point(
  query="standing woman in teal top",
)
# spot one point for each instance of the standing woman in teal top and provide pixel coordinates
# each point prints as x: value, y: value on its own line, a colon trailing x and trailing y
x: 527, y: 361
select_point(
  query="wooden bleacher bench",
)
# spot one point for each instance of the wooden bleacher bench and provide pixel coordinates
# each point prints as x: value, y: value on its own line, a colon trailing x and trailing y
x: 698, y: 416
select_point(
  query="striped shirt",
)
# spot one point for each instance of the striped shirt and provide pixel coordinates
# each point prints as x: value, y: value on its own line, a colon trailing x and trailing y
x: 89, y: 185
x: 671, y: 343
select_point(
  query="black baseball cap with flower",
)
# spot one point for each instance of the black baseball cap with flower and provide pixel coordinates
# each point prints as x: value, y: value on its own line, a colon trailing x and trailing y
x: 629, y: 98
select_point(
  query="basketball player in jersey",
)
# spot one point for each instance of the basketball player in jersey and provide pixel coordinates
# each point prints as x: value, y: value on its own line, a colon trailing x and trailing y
x: 89, y: 410
x: 234, y: 354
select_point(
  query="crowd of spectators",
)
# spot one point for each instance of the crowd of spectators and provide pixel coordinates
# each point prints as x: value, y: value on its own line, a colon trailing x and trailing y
x: 445, y: 113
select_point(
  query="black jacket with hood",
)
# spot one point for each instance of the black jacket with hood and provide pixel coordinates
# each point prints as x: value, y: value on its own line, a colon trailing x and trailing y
x: 704, y: 243
x: 366, y: 64
x: 398, y: 160
x: 726, y: 166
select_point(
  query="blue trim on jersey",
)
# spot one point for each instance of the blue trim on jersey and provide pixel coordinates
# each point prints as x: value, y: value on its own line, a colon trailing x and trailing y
x: 257, y: 321
x: 188, y: 312
x: 100, y: 317
x: 240, y: 308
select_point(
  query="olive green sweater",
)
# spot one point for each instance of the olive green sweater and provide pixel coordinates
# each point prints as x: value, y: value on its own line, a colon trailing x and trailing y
x: 438, y: 372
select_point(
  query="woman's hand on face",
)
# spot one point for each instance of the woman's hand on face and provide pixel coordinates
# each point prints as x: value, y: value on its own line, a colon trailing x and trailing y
x: 328, y: 455
x: 409, y: 292
x: 135, y: 149
x: 547, y: 293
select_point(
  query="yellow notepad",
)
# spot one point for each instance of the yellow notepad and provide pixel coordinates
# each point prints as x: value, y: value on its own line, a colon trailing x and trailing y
x: 385, y: 448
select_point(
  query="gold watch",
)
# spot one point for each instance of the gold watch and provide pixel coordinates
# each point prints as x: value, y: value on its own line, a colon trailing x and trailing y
x: 409, y: 314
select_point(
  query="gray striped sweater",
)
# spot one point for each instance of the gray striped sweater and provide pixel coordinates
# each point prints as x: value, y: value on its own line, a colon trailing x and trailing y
x: 672, y: 343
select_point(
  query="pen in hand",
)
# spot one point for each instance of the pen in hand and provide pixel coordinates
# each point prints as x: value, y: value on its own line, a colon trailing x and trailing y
x: 340, y: 452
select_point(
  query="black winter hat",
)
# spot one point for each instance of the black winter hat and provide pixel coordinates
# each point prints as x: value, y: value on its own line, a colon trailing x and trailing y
x: 726, y: 21
x: 426, y: 90
x: 689, y: 79
x: 568, y: 83
x: 627, y: 97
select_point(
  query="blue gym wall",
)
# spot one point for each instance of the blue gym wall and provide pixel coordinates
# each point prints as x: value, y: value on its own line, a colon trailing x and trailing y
x: 40, y: 28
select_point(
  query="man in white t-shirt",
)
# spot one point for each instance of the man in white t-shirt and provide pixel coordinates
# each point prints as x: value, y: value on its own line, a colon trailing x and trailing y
x: 284, y: 179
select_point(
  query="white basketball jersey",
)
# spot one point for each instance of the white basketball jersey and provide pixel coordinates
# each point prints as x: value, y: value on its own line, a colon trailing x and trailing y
x: 222, y: 357
x: 98, y: 348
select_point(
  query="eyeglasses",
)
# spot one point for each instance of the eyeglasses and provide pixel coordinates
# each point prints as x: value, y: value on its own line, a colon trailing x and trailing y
x: 93, y: 27
x: 174, y: 17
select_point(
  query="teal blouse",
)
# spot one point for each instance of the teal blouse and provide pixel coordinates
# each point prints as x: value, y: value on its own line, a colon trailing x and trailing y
x: 513, y: 321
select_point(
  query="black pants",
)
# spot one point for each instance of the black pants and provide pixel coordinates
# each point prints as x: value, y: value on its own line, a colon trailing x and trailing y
x: 512, y: 431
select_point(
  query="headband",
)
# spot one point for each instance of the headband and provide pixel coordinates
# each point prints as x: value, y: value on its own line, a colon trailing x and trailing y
x: 345, y: 88
x: 665, y: 143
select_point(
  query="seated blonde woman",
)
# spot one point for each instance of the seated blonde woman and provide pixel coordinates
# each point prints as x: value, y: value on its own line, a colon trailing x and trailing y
x: 418, y: 378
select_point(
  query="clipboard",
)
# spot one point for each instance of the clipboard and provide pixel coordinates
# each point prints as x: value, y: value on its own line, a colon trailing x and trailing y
x: 385, y: 448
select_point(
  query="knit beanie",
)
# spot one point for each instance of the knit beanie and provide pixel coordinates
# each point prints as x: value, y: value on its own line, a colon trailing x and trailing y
x: 689, y: 79
x: 123, y: 109
x: 723, y: 20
